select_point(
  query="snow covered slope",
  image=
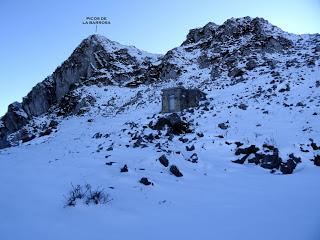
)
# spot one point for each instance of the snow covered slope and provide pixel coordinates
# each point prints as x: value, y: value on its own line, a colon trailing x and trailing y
x: 262, y: 87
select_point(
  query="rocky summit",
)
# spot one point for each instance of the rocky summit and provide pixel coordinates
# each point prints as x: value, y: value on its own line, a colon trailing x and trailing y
x: 252, y: 142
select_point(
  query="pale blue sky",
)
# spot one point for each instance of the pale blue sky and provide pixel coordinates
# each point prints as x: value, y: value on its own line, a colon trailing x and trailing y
x: 37, y: 36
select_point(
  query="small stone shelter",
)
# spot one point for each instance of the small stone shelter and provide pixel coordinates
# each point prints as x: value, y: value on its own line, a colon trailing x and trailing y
x: 178, y: 98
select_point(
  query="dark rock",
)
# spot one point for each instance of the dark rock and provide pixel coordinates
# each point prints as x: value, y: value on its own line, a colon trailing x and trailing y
x: 257, y: 158
x: 314, y: 146
x: 242, y: 160
x: 145, y: 181
x: 288, y: 167
x: 193, y: 158
x: 139, y: 143
x: 316, y: 160
x: 46, y: 132
x: 184, y: 140
x: 248, y: 150
x: 191, y: 148
x: 175, y: 171
x: 295, y: 159
x: 26, y: 137
x: 109, y: 163
x: 243, y: 106
x: 251, y: 64
x: 238, y: 144
x: 4, y: 143
x: 124, y: 168
x: 269, y: 147
x: 195, y: 35
x: 223, y: 126
x: 53, y: 124
x: 200, y: 134
x: 300, y: 104
x: 164, y: 160
x: 97, y: 135
x: 236, y: 72
x: 271, y: 161
x: 173, y: 122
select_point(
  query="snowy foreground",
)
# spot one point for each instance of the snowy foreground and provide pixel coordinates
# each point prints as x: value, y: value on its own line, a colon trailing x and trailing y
x: 215, y: 199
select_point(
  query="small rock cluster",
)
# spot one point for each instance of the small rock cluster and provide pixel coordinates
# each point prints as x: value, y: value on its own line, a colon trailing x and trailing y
x: 271, y: 161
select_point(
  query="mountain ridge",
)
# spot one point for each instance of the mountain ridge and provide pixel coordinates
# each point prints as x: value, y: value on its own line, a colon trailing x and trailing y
x: 215, y: 49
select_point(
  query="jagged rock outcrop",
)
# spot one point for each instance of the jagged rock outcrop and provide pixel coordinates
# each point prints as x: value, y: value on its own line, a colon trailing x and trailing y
x: 14, y: 119
x: 40, y: 98
x: 96, y: 60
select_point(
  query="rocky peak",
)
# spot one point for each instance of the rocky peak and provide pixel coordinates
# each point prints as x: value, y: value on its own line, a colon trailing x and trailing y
x: 197, y: 34
x: 234, y: 28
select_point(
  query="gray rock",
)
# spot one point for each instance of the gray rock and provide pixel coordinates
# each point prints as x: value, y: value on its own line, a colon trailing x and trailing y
x: 14, y: 119
x: 251, y: 64
x: 197, y: 34
x: 40, y: 98
x: 236, y: 72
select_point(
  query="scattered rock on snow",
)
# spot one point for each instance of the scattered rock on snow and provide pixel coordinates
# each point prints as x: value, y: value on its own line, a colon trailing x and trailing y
x: 243, y: 106
x: 175, y: 171
x: 316, y: 160
x: 191, y: 148
x: 271, y: 161
x: 124, y: 168
x: 145, y: 181
x: 164, y: 160
x: 223, y: 126
x: 175, y: 124
x: 248, y: 150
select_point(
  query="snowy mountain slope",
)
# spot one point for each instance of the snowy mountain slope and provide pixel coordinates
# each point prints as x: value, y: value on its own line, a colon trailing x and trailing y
x: 273, y: 100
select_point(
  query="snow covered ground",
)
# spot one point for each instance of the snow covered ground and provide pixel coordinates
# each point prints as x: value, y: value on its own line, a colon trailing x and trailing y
x: 215, y: 199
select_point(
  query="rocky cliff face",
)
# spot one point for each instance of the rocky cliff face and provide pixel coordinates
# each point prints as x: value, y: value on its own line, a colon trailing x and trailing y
x: 95, y: 60
x: 236, y: 51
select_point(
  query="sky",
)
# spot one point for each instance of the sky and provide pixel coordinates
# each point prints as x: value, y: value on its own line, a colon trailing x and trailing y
x: 36, y: 36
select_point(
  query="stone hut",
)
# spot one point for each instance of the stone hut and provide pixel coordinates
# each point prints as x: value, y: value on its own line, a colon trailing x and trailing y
x: 178, y: 98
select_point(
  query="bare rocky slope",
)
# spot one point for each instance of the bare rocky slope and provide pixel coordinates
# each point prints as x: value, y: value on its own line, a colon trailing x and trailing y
x: 239, y: 50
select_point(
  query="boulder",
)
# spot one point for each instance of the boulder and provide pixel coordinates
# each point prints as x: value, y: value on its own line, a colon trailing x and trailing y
x: 316, y: 160
x: 288, y: 167
x: 223, y: 126
x: 236, y: 72
x: 15, y: 118
x: 145, y: 181
x: 175, y: 171
x: 164, y: 160
x: 242, y: 160
x: 271, y: 161
x: 193, y: 158
x: 243, y: 106
x: 124, y: 168
x: 248, y: 150
x: 174, y: 123
x: 251, y: 64
x: 191, y: 148
x: 314, y: 146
